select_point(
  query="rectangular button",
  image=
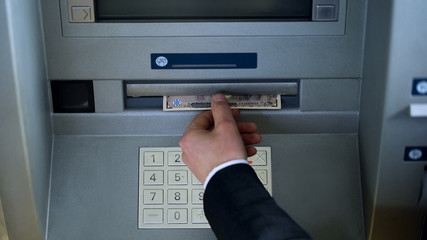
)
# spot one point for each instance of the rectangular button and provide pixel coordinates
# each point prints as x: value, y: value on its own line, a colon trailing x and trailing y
x: 198, y: 216
x: 418, y: 110
x: 153, y: 177
x: 153, y: 196
x: 177, y: 177
x: 262, y: 176
x: 175, y: 159
x: 197, y: 196
x: 153, y: 158
x: 259, y: 159
x: 153, y: 215
x: 177, y: 215
x: 194, y: 180
x: 177, y: 196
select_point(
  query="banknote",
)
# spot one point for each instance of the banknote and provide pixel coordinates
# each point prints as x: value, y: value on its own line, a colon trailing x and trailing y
x: 203, y: 102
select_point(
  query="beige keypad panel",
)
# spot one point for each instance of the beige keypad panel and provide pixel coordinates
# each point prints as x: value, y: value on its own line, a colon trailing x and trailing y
x: 170, y: 196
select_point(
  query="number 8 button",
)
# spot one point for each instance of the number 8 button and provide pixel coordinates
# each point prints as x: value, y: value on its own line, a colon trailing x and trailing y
x: 177, y: 196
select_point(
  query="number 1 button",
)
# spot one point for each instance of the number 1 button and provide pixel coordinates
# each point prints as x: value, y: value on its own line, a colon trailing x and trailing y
x: 153, y: 158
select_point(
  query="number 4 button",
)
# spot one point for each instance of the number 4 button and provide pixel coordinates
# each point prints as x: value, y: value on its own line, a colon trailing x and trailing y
x: 153, y: 177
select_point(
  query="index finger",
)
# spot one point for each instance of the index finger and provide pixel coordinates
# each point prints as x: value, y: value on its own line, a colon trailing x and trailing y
x: 203, y: 121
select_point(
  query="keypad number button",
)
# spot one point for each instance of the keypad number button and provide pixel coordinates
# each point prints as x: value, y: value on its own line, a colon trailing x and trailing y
x: 177, y: 196
x: 153, y: 196
x: 177, y: 177
x: 175, y: 159
x: 197, y: 196
x: 177, y: 216
x: 152, y: 158
x: 153, y: 177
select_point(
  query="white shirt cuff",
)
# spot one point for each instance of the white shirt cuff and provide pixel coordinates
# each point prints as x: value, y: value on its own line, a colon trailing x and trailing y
x: 222, y: 166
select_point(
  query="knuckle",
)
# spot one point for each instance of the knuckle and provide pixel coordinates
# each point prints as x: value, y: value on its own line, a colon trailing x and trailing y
x: 226, y: 125
x: 183, y: 142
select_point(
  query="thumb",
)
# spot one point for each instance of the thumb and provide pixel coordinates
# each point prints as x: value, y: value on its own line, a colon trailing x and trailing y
x: 221, y: 111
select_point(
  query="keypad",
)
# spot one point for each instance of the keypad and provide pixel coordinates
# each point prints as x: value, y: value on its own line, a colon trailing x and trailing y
x: 170, y: 196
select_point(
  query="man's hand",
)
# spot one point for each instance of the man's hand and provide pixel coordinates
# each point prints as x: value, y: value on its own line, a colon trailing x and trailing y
x: 214, y: 137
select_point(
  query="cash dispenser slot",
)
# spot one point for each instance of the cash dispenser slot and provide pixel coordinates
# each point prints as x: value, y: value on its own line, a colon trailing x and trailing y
x: 150, y: 95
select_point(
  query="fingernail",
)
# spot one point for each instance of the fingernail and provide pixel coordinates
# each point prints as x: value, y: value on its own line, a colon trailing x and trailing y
x: 219, y: 98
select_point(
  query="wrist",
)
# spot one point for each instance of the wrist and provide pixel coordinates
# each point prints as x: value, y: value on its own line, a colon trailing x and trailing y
x: 222, y: 166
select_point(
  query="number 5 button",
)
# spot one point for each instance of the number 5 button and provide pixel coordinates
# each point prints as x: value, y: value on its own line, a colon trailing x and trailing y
x: 177, y: 177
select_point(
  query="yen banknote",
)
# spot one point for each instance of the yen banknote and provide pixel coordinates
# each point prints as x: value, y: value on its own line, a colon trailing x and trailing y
x: 202, y: 102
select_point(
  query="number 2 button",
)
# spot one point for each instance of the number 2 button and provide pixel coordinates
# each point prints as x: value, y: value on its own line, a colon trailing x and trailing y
x: 175, y: 159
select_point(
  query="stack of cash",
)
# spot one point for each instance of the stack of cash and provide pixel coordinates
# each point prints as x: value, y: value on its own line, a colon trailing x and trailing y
x: 186, y: 103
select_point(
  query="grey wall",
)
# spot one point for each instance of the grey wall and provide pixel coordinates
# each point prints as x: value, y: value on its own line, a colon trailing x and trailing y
x: 395, y: 54
x: 25, y: 130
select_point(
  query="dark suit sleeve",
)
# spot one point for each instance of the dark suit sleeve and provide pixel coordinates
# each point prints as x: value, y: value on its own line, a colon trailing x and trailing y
x: 237, y: 206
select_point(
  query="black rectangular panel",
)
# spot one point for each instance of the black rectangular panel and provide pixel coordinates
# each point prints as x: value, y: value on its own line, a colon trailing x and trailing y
x: 202, y: 10
x: 203, y: 60
x: 72, y: 96
x: 416, y: 153
x: 419, y: 87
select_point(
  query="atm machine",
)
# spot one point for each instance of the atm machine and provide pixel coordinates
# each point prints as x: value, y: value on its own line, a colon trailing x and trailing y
x: 81, y: 102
